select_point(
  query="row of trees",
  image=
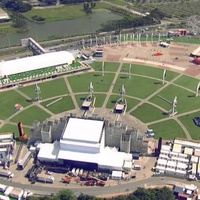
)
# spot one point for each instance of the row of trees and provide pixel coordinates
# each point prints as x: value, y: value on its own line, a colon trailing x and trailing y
x: 88, y: 7
x: 130, y: 21
x: 140, y: 194
x: 76, y: 1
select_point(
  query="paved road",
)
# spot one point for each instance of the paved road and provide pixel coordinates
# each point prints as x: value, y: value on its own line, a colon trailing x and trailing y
x: 97, y: 191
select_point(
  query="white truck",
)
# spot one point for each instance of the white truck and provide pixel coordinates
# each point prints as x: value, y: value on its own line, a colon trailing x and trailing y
x: 6, y: 173
x: 45, y: 178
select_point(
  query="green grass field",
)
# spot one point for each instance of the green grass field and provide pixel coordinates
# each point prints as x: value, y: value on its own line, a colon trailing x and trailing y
x: 186, y: 100
x: 162, y: 130
x: 48, y: 89
x: 29, y: 115
x: 143, y: 82
x: 148, y: 113
x: 137, y: 86
x: 187, y: 121
x: 8, y: 100
x: 80, y: 83
x: 60, y: 106
x: 108, y: 66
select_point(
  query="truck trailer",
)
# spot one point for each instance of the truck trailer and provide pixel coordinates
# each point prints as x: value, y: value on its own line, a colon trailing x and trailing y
x: 6, y: 173
x: 45, y: 178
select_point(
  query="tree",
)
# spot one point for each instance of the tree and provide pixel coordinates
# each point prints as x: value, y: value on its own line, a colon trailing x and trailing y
x: 66, y: 194
x: 85, y: 197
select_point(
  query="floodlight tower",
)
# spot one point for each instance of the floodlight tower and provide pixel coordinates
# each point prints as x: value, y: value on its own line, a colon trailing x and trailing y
x: 122, y: 92
x: 90, y: 43
x: 129, y: 72
x: 103, y: 68
x: 117, y: 40
x: 83, y: 43
x: 158, y: 37
x: 174, y: 105
x: 152, y: 37
x: 110, y: 39
x: 38, y: 92
x: 96, y: 41
x: 139, y: 37
x: 147, y: 37
x: 104, y: 40
x: 198, y: 87
x: 164, y: 76
x: 90, y: 89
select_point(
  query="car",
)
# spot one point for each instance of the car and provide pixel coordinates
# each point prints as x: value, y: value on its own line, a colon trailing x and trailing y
x: 148, y: 131
x: 49, y: 172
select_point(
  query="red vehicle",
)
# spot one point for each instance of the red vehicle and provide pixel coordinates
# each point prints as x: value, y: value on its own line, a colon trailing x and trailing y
x: 90, y: 183
x: 101, y: 183
x: 66, y: 180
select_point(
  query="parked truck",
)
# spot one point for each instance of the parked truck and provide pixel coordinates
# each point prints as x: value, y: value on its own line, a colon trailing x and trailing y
x: 45, y: 178
x: 6, y: 173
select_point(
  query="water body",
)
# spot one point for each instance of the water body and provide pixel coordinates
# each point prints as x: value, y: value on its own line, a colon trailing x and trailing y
x: 39, y: 32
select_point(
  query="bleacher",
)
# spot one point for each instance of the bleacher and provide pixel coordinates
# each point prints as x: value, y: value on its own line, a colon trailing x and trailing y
x: 40, y: 73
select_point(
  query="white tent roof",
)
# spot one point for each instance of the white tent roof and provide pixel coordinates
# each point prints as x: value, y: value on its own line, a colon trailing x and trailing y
x: 49, y: 151
x: 35, y: 62
x: 161, y: 162
x: 83, y: 130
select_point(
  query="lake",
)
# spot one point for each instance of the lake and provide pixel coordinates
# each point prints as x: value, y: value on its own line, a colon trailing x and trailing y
x: 39, y: 32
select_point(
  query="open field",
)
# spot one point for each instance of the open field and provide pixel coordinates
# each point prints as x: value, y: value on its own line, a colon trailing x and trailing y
x: 48, y: 89
x: 148, y: 113
x: 137, y: 86
x: 80, y: 83
x: 63, y: 12
x: 187, y: 121
x: 142, y: 90
x: 186, y: 99
x: 59, y: 106
x: 29, y: 115
x: 108, y: 66
x: 8, y: 100
x: 161, y: 130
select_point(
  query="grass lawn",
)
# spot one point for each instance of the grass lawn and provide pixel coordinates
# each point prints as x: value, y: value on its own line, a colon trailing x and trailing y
x: 8, y: 100
x: 130, y: 102
x: 100, y: 98
x: 59, y: 13
x: 108, y: 66
x: 118, y: 2
x: 80, y: 83
x: 48, y: 89
x: 188, y: 82
x: 187, y: 121
x: 136, y: 86
x: 60, y: 106
x: 13, y: 129
x: 148, y: 113
x: 168, y: 130
x: 148, y: 71
x: 186, y: 100
x: 29, y: 115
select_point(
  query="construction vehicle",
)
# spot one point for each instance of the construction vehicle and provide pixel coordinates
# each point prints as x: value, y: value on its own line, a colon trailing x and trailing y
x: 22, y: 136
x: 67, y: 179
x: 90, y: 183
x: 101, y: 183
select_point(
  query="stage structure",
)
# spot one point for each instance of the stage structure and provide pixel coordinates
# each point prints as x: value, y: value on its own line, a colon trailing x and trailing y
x: 37, y: 92
x: 164, y: 76
x: 90, y: 99
x: 173, y: 111
x: 103, y: 68
x: 121, y: 104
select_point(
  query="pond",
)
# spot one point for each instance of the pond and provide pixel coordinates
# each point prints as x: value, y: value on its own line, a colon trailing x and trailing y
x: 39, y: 32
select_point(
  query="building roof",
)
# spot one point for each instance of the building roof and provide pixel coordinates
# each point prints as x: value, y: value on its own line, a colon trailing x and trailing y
x: 35, y: 62
x: 49, y: 150
x: 162, y: 161
x: 83, y: 130
x: 177, y: 147
x: 188, y: 151
x: 117, y: 174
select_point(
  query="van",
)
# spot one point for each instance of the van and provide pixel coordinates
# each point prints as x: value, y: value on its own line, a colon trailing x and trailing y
x: 137, y: 167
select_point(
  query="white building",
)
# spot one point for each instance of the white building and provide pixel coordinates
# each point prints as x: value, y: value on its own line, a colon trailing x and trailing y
x: 26, y: 64
x: 82, y: 144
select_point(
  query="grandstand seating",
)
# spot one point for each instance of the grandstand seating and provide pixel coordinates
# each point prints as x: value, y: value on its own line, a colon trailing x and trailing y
x: 45, y: 72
